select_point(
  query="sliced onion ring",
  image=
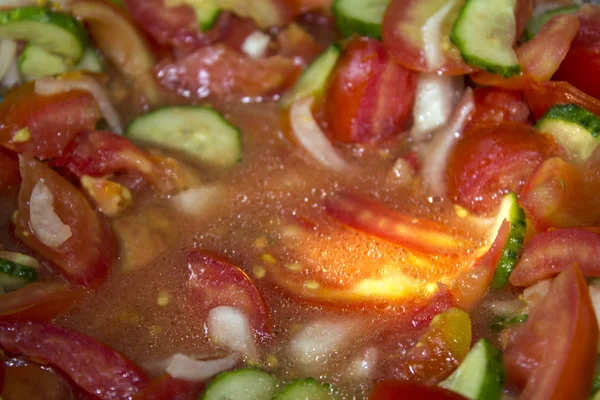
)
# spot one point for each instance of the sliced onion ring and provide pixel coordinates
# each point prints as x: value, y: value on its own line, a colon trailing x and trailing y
x: 45, y: 223
x: 229, y: 327
x: 48, y: 86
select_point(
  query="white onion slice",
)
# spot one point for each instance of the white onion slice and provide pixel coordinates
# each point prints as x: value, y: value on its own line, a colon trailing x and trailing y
x: 310, y: 136
x: 436, y: 154
x: 363, y: 367
x: 256, y: 44
x: 431, y: 33
x: 47, y: 86
x: 8, y: 52
x: 17, y: 3
x: 12, y: 77
x: 435, y: 100
x: 535, y: 293
x: 197, y: 201
x: 181, y: 366
x: 45, y: 224
x: 230, y: 328
x: 506, y: 308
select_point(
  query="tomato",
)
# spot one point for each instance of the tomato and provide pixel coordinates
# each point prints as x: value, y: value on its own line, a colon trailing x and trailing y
x: 493, y: 104
x: 439, y: 351
x: 167, y: 387
x: 543, y: 96
x: 86, y: 256
x: 10, y: 178
x: 370, y: 97
x: 34, y: 382
x: 581, y: 67
x: 396, y: 390
x: 540, y: 58
x: 297, y: 44
x: 492, y: 159
x: 441, y: 302
x: 92, y: 365
x: 42, y: 126
x: 552, y: 355
x: 39, y: 301
x: 550, y: 253
x: 216, y: 282
x: 561, y: 195
x: 376, y: 219
x: 302, y: 6
x: 222, y: 71
x: 238, y: 31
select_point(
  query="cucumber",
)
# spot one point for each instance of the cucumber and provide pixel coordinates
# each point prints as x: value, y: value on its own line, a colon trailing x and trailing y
x: 302, y: 389
x: 502, y: 323
x: 314, y: 79
x: 89, y: 61
x: 511, y: 211
x: 195, y: 131
x: 242, y: 384
x: 35, y: 61
x: 14, y: 276
x: 481, y: 375
x: 56, y: 32
x: 484, y: 32
x: 361, y: 17
x: 536, y: 22
x: 574, y: 128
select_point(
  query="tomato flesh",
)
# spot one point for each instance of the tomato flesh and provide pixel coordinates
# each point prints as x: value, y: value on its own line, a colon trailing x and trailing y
x: 496, y: 105
x: 541, y: 97
x: 396, y: 389
x: 10, y: 178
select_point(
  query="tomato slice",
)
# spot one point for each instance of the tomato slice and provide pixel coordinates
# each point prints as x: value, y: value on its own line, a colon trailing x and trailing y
x: 33, y: 382
x: 167, y: 387
x: 93, y: 366
x: 496, y: 105
x: 550, y: 253
x: 561, y: 195
x: 217, y: 282
x: 86, y: 256
x: 10, y: 178
x: 541, y: 97
x: 552, y: 355
x: 42, y: 126
x: 581, y: 67
x: 374, y: 218
x: 222, y: 71
x: 396, y: 389
x: 39, y: 301
x: 493, y: 159
x: 370, y: 97
x: 540, y: 58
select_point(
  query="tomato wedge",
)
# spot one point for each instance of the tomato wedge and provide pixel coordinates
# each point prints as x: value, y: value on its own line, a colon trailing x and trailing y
x: 493, y: 159
x: 217, y: 282
x: 550, y: 253
x: 39, y: 301
x: 42, y: 126
x: 396, y: 389
x: 93, y: 366
x: 86, y: 256
x: 374, y: 218
x: 10, y: 178
x: 167, y: 387
x: 552, y: 355
x: 541, y: 97
x: 370, y: 97
x: 495, y: 105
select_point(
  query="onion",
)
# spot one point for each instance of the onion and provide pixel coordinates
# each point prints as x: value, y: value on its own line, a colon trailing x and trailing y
x: 363, y: 367
x: 12, y: 77
x: 45, y: 224
x: 196, y: 201
x: 595, y: 296
x: 310, y: 136
x: 229, y: 327
x: 435, y: 99
x: 47, y: 86
x: 181, y: 366
x: 506, y: 308
x: 535, y: 293
x: 256, y: 44
x: 8, y: 52
x: 435, y: 155
x: 434, y: 54
x: 17, y: 3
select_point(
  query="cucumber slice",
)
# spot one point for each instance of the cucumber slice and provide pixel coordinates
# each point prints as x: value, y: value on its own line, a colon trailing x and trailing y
x: 35, y: 61
x: 484, y: 32
x: 481, y: 375
x: 502, y: 323
x: 54, y: 31
x: 89, y: 61
x: 243, y: 384
x: 314, y: 79
x: 511, y: 211
x: 302, y: 389
x: 195, y: 131
x: 361, y: 17
x: 14, y: 276
x: 535, y: 23
x: 574, y: 128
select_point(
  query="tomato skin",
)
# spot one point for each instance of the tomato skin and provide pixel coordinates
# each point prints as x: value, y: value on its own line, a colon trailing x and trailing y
x: 492, y: 159
x: 93, y: 366
x: 167, y: 387
x: 369, y: 97
x: 10, y: 178
x: 552, y: 355
x: 493, y: 104
x: 52, y: 121
x: 87, y: 255
x: 396, y: 390
x: 541, y: 97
